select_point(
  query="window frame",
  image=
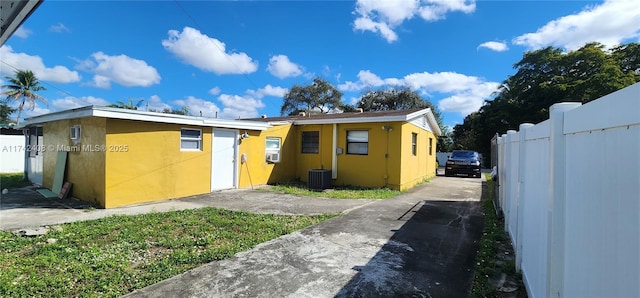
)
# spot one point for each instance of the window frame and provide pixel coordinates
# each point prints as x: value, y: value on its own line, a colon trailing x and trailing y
x: 314, y: 145
x: 414, y: 143
x: 190, y: 139
x: 268, y: 150
x: 430, y: 146
x: 349, y: 151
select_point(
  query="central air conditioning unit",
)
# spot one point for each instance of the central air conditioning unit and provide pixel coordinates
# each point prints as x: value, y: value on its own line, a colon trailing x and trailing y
x: 319, y: 179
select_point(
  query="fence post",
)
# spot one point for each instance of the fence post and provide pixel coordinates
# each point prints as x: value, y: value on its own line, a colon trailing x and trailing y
x: 511, y: 180
x: 557, y: 199
x: 521, y: 199
x: 502, y: 178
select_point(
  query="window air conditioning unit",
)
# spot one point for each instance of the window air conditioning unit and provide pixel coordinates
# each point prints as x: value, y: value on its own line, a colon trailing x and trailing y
x: 273, y: 157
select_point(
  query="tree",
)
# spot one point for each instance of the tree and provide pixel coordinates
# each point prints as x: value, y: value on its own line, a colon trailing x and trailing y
x: 396, y: 99
x: 404, y: 99
x: 319, y: 96
x: 445, y: 141
x: 127, y: 105
x: 545, y: 77
x: 184, y: 110
x: 23, y: 88
x: 392, y: 99
x: 5, y: 112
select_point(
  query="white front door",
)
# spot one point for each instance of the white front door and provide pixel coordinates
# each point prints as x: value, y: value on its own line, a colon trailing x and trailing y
x: 35, y: 155
x: 223, y: 159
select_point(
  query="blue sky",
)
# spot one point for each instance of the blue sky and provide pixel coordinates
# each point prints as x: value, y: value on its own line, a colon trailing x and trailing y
x: 237, y: 58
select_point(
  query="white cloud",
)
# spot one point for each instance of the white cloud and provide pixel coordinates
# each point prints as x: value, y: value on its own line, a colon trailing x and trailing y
x: 367, y: 79
x: 121, y: 69
x: 366, y: 24
x: 383, y: 16
x: 437, y: 9
x: 469, y: 100
x: 215, y: 90
x: 236, y: 106
x: 57, y: 74
x: 443, y: 82
x: 37, y: 111
x: 154, y: 102
x: 198, y: 106
x: 71, y: 102
x: 206, y: 53
x: 22, y: 32
x: 59, y: 28
x: 281, y: 67
x: 247, y: 105
x: 463, y: 93
x: 494, y: 45
x: 268, y: 90
x: 609, y: 23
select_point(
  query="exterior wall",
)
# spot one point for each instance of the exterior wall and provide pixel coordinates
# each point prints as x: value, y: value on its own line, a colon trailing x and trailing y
x: 380, y: 167
x: 389, y: 162
x: 85, y: 167
x: 12, y: 153
x: 416, y: 168
x: 311, y: 161
x: 145, y: 163
x: 570, y: 188
x: 256, y: 170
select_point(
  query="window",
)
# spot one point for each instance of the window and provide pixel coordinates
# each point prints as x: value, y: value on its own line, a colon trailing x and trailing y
x: 358, y: 142
x: 430, y: 146
x: 310, y: 141
x: 414, y: 143
x: 272, y: 150
x: 190, y: 139
x: 75, y: 132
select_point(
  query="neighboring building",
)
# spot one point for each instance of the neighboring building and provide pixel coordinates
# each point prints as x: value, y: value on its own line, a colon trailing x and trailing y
x: 121, y: 157
x: 12, y: 150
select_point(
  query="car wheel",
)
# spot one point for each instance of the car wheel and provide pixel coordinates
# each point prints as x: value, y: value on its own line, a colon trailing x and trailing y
x: 447, y: 174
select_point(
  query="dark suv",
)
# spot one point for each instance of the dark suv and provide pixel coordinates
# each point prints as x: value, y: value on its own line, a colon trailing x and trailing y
x: 463, y: 162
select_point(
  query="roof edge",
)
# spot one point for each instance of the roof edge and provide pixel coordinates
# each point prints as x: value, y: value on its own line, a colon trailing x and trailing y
x: 124, y: 114
x: 395, y: 118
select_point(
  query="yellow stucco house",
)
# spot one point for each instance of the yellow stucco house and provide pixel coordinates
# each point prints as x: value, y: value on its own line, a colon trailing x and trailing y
x: 120, y: 157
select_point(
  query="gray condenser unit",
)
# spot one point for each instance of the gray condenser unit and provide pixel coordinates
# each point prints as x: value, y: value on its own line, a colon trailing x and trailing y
x: 319, y: 179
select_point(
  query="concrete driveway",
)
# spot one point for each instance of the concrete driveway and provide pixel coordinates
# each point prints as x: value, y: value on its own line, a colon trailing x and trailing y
x: 25, y: 208
x: 420, y: 244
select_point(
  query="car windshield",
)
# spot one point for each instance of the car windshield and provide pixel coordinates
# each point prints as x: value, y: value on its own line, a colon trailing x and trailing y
x: 463, y: 154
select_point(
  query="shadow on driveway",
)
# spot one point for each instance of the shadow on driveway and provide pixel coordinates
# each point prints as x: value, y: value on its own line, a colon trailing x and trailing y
x: 28, y: 198
x: 431, y: 255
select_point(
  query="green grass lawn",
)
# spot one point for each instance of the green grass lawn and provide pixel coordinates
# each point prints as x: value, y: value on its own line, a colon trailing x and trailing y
x: 116, y: 255
x: 13, y: 180
x: 345, y: 192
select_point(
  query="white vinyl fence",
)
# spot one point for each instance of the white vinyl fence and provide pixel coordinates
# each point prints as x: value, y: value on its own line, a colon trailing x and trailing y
x: 570, y: 194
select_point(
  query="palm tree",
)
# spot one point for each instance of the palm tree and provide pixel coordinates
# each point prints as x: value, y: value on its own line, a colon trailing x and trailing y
x: 129, y: 106
x: 23, y: 88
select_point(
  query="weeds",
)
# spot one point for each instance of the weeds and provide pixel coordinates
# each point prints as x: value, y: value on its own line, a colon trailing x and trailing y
x: 485, y: 259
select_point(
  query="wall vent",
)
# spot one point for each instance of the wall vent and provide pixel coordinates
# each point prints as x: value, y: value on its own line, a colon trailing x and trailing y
x: 319, y: 179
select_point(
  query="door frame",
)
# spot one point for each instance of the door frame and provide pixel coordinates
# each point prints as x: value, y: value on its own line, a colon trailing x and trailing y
x: 236, y: 133
x: 35, y: 155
